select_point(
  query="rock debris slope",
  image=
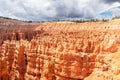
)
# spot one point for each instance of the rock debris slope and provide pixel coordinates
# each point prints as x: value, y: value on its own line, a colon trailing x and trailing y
x: 64, y: 51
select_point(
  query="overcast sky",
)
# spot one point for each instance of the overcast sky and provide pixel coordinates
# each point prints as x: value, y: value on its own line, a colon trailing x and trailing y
x: 40, y: 10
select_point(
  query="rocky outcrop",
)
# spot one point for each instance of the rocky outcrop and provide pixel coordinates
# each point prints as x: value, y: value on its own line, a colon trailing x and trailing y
x: 69, y: 54
x: 63, y: 56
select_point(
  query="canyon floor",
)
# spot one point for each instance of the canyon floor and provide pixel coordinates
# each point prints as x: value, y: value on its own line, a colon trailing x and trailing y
x: 59, y: 50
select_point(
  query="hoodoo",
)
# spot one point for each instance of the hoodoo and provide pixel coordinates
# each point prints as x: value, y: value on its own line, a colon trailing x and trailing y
x: 61, y: 51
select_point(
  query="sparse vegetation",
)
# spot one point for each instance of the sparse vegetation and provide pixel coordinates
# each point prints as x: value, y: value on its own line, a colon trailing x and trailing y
x: 116, y: 17
x: 91, y: 20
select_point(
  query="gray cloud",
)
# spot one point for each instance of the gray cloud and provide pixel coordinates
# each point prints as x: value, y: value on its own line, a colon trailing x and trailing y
x: 51, y: 9
x: 110, y: 1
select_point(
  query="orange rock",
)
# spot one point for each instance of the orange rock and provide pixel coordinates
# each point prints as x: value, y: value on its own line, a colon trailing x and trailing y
x: 63, y: 51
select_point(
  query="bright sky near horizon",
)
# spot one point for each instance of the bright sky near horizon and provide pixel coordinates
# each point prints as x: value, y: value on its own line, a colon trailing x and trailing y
x: 40, y: 10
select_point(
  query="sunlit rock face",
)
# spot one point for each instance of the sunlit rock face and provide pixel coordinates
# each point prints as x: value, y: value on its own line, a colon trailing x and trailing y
x: 83, y: 54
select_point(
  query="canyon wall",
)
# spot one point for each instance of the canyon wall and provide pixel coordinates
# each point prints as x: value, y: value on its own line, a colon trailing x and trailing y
x: 71, y: 52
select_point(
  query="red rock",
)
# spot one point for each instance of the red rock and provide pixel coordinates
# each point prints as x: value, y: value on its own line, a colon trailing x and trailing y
x: 66, y: 54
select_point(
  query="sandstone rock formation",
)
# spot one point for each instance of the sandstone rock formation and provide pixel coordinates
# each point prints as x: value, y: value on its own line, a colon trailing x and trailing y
x: 63, y: 51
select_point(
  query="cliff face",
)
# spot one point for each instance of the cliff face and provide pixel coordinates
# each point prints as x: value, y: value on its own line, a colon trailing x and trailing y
x: 11, y: 29
x: 87, y: 54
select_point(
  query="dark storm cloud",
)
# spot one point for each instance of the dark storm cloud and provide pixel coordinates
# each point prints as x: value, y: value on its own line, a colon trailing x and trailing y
x: 67, y: 9
x: 110, y: 1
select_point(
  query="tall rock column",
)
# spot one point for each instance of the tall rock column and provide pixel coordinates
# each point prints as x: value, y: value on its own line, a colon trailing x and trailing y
x: 21, y: 63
